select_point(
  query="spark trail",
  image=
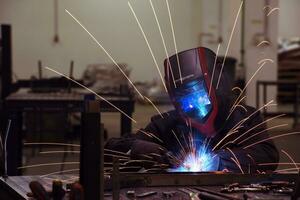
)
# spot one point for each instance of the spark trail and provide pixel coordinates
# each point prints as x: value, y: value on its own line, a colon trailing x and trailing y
x: 148, y: 45
x: 106, y: 52
x: 88, y: 89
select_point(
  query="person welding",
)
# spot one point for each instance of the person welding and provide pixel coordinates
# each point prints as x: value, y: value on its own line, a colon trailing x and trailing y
x: 207, y: 127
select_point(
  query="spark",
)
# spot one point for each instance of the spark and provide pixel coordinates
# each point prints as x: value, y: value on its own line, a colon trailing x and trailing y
x: 223, y: 139
x: 64, y: 181
x: 270, y: 138
x: 238, y: 125
x: 59, y: 172
x: 237, y: 105
x: 5, y: 145
x: 290, y: 157
x: 282, y: 163
x: 229, y: 42
x: 236, y: 88
x: 263, y: 42
x: 61, y: 74
x: 174, y: 39
x: 106, y: 52
x: 213, y: 72
x: 133, y: 161
x: 273, y: 127
x: 265, y: 60
x: 116, y: 156
x: 278, y: 116
x: 149, y: 47
x: 55, y: 152
x: 154, y: 106
x: 48, y: 164
x: 237, y: 162
x: 267, y: 7
x: 118, y: 152
x: 151, y: 135
x: 261, y: 66
x: 286, y: 170
x: 163, y: 41
x: 178, y: 140
x: 271, y: 11
x: 51, y: 143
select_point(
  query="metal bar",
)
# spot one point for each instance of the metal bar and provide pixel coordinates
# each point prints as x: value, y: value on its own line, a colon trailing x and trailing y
x: 257, y: 94
x: 91, y: 151
x: 116, y: 179
x: 264, y: 98
x: 297, y: 105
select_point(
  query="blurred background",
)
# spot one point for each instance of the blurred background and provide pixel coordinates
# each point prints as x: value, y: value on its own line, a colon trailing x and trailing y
x: 259, y: 38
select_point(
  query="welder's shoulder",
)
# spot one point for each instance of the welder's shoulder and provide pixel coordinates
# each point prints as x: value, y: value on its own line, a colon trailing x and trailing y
x: 166, y: 116
x: 252, y: 115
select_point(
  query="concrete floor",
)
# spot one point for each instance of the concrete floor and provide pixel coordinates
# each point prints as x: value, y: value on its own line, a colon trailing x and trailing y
x: 142, y: 114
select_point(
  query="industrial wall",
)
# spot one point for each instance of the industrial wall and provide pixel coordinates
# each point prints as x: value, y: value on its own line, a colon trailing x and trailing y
x: 289, y: 16
x: 112, y: 24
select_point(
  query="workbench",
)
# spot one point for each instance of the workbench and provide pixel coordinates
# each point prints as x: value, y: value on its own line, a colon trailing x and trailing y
x: 159, y: 186
x: 23, y: 100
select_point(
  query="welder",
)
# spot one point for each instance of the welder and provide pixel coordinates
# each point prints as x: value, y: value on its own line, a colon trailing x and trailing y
x: 206, y: 112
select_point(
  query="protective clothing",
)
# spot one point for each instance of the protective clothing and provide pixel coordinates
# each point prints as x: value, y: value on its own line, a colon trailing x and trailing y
x: 201, y: 114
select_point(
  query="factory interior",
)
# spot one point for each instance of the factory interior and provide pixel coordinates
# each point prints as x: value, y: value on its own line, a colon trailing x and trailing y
x: 79, y: 76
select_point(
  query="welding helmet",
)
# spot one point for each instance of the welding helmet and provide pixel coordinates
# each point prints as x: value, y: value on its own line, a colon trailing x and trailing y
x: 192, y: 89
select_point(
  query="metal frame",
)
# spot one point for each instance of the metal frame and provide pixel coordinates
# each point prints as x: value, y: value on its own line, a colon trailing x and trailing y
x: 265, y: 85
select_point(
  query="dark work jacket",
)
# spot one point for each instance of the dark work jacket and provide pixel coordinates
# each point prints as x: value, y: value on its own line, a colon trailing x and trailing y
x: 249, y: 158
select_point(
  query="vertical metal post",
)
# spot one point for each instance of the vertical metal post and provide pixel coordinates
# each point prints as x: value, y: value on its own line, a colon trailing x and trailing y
x: 257, y: 94
x: 116, y: 179
x: 296, y: 106
x: 14, y: 144
x: 91, y: 151
x: 265, y: 97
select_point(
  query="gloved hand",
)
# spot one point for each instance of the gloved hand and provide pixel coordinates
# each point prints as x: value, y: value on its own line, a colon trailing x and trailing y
x: 152, y: 152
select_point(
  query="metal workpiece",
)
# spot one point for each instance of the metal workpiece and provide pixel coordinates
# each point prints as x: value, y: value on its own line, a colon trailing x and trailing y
x: 197, y: 179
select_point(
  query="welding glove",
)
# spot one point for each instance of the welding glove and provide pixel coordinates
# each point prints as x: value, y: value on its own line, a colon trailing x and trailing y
x: 149, y: 151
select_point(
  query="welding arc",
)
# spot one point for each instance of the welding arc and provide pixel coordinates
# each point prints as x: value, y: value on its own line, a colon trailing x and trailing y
x: 106, y: 52
x: 61, y: 74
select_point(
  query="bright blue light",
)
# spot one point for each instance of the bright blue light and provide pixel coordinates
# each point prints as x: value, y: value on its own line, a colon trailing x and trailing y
x: 199, y: 161
x: 196, y: 103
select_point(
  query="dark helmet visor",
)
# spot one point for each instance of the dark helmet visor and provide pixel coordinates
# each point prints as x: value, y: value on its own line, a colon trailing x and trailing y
x: 193, y: 100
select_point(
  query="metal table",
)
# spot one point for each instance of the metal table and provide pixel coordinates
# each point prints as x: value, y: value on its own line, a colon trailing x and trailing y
x: 23, y: 100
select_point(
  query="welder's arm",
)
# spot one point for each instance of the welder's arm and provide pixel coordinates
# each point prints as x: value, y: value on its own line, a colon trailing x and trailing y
x: 154, y: 132
x: 149, y: 143
x: 250, y: 157
x: 248, y: 160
